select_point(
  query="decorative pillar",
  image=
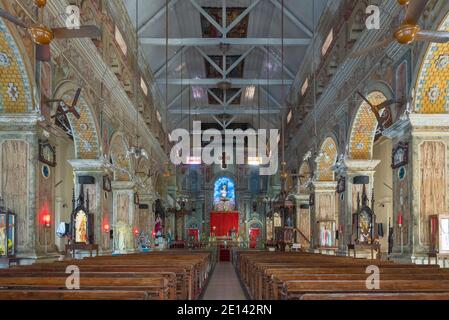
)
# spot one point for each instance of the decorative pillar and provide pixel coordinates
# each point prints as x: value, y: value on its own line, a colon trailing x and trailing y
x: 92, y: 168
x: 303, y: 219
x: 354, y: 168
x: 146, y: 216
x: 19, y: 169
x: 423, y: 190
x: 123, y: 216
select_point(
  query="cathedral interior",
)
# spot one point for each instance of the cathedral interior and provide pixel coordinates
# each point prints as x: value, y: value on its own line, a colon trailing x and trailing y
x: 234, y: 139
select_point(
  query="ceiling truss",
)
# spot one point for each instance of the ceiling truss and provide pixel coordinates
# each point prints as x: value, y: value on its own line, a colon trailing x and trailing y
x: 198, y: 44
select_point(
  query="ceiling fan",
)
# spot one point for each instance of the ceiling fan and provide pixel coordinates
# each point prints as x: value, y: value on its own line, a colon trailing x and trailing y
x: 43, y: 35
x: 409, y: 31
x: 63, y: 109
x: 376, y: 109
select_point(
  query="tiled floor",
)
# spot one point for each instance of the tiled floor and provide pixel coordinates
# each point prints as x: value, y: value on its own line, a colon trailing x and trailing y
x: 224, y: 284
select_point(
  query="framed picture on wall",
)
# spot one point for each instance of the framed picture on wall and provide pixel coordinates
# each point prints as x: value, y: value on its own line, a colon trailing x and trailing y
x: 341, y: 185
x: 107, y: 183
x: 47, y: 153
x: 400, y: 155
x: 136, y: 199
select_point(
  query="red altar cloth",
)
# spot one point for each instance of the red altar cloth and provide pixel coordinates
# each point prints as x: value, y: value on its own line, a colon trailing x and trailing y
x: 224, y: 222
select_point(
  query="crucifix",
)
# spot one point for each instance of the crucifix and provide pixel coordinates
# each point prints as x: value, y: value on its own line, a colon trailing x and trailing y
x: 223, y: 159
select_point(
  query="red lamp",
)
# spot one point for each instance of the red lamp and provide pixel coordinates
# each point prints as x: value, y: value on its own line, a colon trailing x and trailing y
x: 106, y: 228
x: 47, y: 219
x: 136, y: 231
x: 400, y: 219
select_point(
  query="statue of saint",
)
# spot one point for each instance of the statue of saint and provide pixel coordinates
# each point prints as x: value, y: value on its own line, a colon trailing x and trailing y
x: 224, y: 192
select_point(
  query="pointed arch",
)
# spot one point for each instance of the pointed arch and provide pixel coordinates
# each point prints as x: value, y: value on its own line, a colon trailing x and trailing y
x: 363, y: 129
x: 85, y: 129
x: 326, y: 160
x: 118, y: 156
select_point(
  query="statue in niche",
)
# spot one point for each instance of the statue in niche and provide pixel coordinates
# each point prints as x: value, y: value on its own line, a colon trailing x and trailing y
x: 224, y: 193
x: 158, y: 225
x: 81, y: 228
x: 123, y: 237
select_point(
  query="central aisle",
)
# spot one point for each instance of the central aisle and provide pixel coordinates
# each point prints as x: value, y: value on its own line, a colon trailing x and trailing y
x: 224, y: 284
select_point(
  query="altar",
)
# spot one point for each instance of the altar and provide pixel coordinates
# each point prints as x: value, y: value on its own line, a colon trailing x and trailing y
x: 224, y: 219
x: 224, y: 224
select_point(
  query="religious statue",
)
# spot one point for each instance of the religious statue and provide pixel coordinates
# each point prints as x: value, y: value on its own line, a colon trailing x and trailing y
x: 123, y: 237
x: 169, y: 236
x: 3, y: 250
x: 224, y: 193
x: 158, y: 225
x: 81, y: 228
x: 326, y: 234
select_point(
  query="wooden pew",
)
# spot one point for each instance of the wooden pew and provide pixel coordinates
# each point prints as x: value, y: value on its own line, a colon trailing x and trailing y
x: 177, y: 282
x: 72, y: 295
x: 158, y: 275
x: 156, y: 288
x: 294, y: 290
x: 305, y: 276
x: 377, y: 296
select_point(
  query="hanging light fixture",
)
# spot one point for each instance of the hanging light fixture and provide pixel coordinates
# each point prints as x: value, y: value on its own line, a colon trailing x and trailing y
x: 167, y: 172
x: 284, y: 174
x: 136, y: 151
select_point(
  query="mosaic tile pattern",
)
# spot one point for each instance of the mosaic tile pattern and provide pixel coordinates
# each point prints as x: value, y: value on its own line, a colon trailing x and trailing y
x: 84, y: 129
x: 327, y: 160
x: 15, y: 88
x: 364, y: 129
x: 118, y: 154
x: 432, y: 88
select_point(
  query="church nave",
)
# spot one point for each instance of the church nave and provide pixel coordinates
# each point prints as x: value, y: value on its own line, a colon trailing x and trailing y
x: 221, y: 150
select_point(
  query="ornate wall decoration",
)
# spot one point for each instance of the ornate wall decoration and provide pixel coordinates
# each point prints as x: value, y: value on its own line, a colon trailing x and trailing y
x: 400, y: 155
x: 15, y: 87
x: 47, y: 153
x: 326, y: 160
x: 433, y: 184
x: 364, y: 128
x: 442, y: 62
x: 118, y: 156
x: 4, y: 60
x: 433, y: 77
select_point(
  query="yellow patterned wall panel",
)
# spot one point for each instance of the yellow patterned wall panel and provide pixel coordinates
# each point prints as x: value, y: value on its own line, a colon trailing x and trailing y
x: 326, y: 160
x: 432, y: 87
x: 364, y: 129
x: 118, y: 155
x: 14, y: 86
x: 84, y: 130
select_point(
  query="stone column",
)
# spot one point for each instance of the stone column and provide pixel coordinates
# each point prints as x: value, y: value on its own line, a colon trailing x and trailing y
x: 423, y: 191
x: 92, y: 168
x: 324, y: 208
x: 19, y: 167
x: 354, y: 168
x: 123, y: 216
x: 303, y: 218
x: 147, y: 214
